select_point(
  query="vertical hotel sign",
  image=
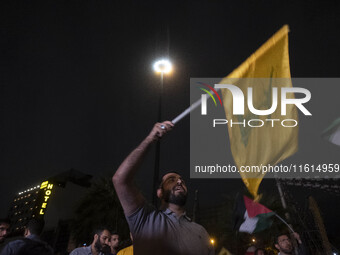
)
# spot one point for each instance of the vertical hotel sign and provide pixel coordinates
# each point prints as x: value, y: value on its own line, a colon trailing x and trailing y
x: 47, y: 191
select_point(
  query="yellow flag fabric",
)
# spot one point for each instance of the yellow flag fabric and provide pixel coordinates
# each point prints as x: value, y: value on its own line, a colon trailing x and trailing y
x: 256, y: 146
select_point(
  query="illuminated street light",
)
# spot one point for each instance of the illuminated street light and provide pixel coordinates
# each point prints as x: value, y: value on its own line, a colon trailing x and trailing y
x: 253, y: 240
x: 212, y: 241
x: 162, y: 66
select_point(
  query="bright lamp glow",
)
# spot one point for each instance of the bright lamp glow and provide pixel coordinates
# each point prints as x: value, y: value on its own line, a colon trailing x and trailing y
x: 212, y: 241
x: 162, y: 66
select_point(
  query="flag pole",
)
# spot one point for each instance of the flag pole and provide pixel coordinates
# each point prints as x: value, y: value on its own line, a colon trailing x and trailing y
x: 189, y: 109
x: 284, y: 205
x: 284, y: 222
x: 283, y: 201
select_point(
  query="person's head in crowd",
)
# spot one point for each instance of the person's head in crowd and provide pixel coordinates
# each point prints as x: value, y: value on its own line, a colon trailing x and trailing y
x: 34, y: 227
x: 172, y: 189
x: 101, y: 240
x: 114, y: 242
x: 283, y: 244
x: 4, y: 229
x: 260, y: 251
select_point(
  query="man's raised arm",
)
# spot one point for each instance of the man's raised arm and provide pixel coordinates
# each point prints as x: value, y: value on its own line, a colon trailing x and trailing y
x: 123, y: 180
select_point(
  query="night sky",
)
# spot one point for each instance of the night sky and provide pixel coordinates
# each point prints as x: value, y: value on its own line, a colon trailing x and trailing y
x: 78, y: 90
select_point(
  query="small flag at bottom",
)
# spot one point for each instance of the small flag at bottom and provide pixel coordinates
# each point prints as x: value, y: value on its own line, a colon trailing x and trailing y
x: 250, y: 216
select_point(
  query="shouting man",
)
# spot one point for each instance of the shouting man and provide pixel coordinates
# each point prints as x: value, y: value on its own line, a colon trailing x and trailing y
x: 165, y: 231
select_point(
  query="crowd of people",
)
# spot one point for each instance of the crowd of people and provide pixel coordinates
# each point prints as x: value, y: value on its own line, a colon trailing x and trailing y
x: 30, y: 243
x: 104, y: 241
x: 166, y: 231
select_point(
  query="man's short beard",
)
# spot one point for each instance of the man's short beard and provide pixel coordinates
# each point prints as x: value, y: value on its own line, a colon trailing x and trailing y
x: 179, y: 199
x: 102, y: 247
x: 287, y: 251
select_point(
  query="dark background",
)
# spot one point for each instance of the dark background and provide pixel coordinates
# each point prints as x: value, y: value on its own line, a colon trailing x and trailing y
x: 78, y: 89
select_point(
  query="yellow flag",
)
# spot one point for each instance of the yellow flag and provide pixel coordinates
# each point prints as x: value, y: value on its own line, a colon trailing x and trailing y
x: 269, y: 144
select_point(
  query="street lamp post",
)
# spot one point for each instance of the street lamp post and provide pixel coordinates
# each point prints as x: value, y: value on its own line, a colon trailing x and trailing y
x: 162, y: 67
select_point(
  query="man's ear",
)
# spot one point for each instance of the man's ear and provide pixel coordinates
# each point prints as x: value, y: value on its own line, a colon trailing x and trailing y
x: 159, y: 193
x: 26, y: 233
x: 277, y: 246
x: 95, y: 237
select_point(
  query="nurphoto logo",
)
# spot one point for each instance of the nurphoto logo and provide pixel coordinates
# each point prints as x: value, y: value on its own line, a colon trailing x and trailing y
x: 238, y: 98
